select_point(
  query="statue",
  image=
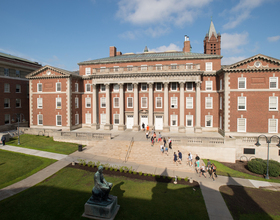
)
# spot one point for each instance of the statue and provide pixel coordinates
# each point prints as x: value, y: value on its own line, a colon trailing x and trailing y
x: 101, y: 189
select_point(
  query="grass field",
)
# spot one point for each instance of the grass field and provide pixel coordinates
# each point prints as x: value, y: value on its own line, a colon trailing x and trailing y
x: 43, y: 143
x: 63, y: 197
x: 16, y: 166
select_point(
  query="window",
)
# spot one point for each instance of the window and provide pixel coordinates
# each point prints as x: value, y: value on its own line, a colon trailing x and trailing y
x: 241, y: 125
x: 76, y: 119
x: 143, y: 86
x: 6, y: 72
x: 159, y: 87
x: 58, y: 102
x: 273, y: 82
x: 208, y: 85
x: 173, y: 86
x: 272, y: 125
x: 7, y: 119
x: 116, y: 102
x: 103, y: 119
x: 173, y: 66
x: 6, y: 103
x: 88, y: 118
x: 6, y: 87
x: 189, y: 102
x: 58, y: 120
x: 58, y: 87
x: 273, y: 103
x: 241, y: 83
x: 129, y: 87
x: 102, y: 88
x: 116, y: 87
x: 221, y: 84
x: 116, y: 68
x: 208, y: 120
x: 87, y: 87
x: 129, y: 102
x: 88, y: 102
x: 103, y: 102
x: 17, y: 73
x: 208, y: 102
x: 173, y: 119
x: 76, y: 87
x: 39, y: 87
x: 173, y: 102
x: 88, y: 71
x: 158, y: 102
x: 144, y: 67
x: 189, y: 120
x: 40, y: 119
x: 18, y: 88
x: 208, y: 66
x: 116, y: 119
x: 129, y: 67
x: 158, y: 66
x: 102, y: 69
x: 144, y: 102
x: 189, y: 66
x: 221, y: 103
x: 241, y: 103
x: 40, y: 103
x: 189, y: 86
x: 76, y: 102
x: 221, y: 122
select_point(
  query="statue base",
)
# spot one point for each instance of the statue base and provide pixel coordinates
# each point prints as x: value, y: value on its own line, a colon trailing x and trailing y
x: 94, y: 211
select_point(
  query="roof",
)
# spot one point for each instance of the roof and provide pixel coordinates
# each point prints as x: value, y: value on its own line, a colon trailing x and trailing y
x: 152, y: 57
x: 17, y: 58
x: 212, y: 30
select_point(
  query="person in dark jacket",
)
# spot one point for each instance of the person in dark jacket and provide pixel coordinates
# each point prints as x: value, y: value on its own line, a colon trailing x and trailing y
x: 3, y: 139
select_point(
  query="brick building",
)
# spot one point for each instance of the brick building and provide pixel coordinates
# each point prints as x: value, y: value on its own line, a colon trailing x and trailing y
x: 169, y: 91
x: 14, y: 94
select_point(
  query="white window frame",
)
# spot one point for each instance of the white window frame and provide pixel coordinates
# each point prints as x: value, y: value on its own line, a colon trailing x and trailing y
x: 159, y: 98
x: 39, y: 87
x: 57, y: 101
x: 143, y: 85
x: 211, y: 120
x: 103, y: 119
x: 88, y: 87
x: 88, y: 102
x: 173, y: 118
x: 76, y: 119
x: 129, y: 87
x: 189, y: 102
x: 128, y: 102
x: 116, y: 117
x: 270, y: 130
x: 273, y: 80
x: 238, y: 125
x: 76, y: 87
x: 208, y: 102
x: 102, y: 88
x: 116, y: 68
x: 76, y: 102
x: 209, y: 85
x: 88, y: 70
x: 173, y: 66
x: 58, y: 89
x: 158, y: 66
x: 57, y: 120
x: 143, y: 102
x: 221, y: 122
x: 221, y: 84
x: 103, y: 102
x: 242, y: 80
x: 116, y: 87
x: 102, y: 69
x: 38, y: 119
x: 8, y: 102
x: 189, y: 66
x: 189, y: 117
x: 173, y: 89
x: 241, y: 101
x: 39, y: 103
x: 187, y: 86
x: 175, y: 101
x: 157, y: 84
x: 6, y: 88
x: 18, y: 88
x: 129, y: 67
x: 208, y: 66
x: 144, y: 67
x: 221, y: 102
x: 88, y: 118
x: 273, y: 106
x: 116, y: 101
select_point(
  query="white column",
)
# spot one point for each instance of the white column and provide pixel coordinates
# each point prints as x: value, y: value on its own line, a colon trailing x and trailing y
x: 95, y: 124
x: 197, y: 127
x: 136, y: 126
x: 108, y: 125
x: 182, y: 127
x: 166, y: 127
x: 121, y: 125
x: 151, y: 105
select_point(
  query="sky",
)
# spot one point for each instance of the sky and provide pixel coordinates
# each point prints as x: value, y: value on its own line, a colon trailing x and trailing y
x: 62, y: 33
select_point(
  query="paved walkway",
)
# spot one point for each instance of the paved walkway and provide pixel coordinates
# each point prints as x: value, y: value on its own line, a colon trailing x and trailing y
x: 215, y: 204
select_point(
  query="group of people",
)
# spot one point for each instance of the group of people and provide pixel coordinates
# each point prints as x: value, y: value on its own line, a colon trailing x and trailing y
x: 210, y: 168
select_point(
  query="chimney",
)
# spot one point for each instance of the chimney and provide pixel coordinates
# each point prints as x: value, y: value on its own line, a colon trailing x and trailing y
x: 187, y: 45
x: 113, y: 51
x: 119, y: 53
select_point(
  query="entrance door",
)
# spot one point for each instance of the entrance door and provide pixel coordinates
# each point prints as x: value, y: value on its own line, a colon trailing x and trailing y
x: 144, y: 119
x: 129, y: 121
x: 159, y: 123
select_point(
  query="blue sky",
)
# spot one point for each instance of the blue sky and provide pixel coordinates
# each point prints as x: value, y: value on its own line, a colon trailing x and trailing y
x: 62, y: 33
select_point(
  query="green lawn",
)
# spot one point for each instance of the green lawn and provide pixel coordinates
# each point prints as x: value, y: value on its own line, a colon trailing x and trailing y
x: 63, y: 197
x: 43, y: 143
x: 16, y: 166
x: 226, y: 171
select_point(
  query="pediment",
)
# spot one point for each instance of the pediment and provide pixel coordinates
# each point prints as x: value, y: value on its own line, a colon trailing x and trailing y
x: 49, y: 72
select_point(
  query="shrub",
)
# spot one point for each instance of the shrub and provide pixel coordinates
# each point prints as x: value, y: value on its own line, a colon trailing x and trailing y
x: 257, y: 166
x: 186, y: 179
x: 134, y: 172
x: 153, y: 175
x: 145, y: 174
x: 274, y: 168
x: 130, y: 171
x: 140, y: 173
x: 149, y: 174
x: 179, y: 178
x: 106, y: 168
x: 89, y: 163
x: 111, y: 168
x: 98, y: 164
x: 121, y: 170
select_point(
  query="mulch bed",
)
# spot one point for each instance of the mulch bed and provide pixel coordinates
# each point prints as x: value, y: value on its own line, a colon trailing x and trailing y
x: 134, y: 176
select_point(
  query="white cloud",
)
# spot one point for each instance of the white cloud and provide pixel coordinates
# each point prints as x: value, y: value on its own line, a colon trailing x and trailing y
x: 166, y: 48
x: 273, y: 39
x: 232, y: 60
x: 241, y: 12
x: 128, y: 35
x: 232, y: 43
x: 163, y: 12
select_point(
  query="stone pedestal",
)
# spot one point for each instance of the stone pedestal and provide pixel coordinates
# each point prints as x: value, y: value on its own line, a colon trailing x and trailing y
x: 94, y: 211
x: 166, y: 129
x: 182, y: 129
x: 136, y: 128
x: 108, y: 127
x: 95, y: 126
x: 197, y: 129
x: 121, y: 127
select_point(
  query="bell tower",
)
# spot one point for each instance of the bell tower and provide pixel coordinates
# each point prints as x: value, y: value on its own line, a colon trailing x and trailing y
x: 212, y: 41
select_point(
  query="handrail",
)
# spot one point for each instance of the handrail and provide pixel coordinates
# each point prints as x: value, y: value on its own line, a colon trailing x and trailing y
x: 129, y: 149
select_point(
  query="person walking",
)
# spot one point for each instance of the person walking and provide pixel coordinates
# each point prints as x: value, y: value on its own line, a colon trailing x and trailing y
x: 214, y: 174
x: 162, y: 149
x: 202, y: 171
x: 159, y: 136
x: 180, y: 157
x: 148, y: 128
x: 175, y: 158
x: 155, y: 137
x: 164, y: 142
x: 3, y: 139
x: 143, y: 126
x: 170, y: 142
x: 152, y: 141
x: 197, y: 166
x: 166, y: 150
x: 190, y: 159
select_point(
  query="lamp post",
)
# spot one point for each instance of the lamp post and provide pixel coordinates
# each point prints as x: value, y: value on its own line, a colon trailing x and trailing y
x: 18, y: 115
x: 268, y: 141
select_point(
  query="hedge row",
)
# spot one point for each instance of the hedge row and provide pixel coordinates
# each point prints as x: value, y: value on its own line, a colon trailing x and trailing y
x: 258, y: 166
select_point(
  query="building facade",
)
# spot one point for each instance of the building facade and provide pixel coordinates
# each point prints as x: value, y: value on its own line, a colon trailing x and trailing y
x: 14, y: 94
x: 169, y: 91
